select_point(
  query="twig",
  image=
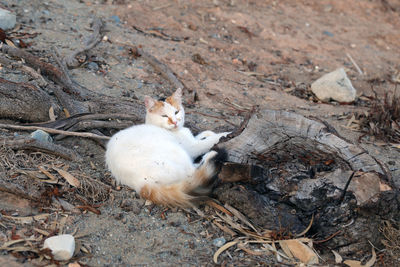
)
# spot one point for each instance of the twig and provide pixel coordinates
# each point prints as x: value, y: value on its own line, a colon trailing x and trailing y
x: 328, y: 238
x: 355, y: 64
x: 54, y: 131
x: 91, y: 41
x: 160, y: 67
x: 66, y: 123
x: 33, y: 144
x: 163, y: 69
x: 242, y: 126
x: 92, y: 124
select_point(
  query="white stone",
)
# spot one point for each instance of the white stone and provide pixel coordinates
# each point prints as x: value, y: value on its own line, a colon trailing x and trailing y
x: 62, y: 246
x: 7, y: 19
x: 334, y: 85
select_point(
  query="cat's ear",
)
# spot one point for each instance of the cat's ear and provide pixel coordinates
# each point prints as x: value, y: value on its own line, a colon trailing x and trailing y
x: 149, y: 102
x: 177, y: 96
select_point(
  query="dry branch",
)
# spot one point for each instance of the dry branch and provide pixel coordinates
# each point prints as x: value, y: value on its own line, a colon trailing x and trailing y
x: 54, y: 131
x: 28, y: 70
x: 23, y: 101
x: 53, y: 73
x: 47, y: 147
x: 92, y: 41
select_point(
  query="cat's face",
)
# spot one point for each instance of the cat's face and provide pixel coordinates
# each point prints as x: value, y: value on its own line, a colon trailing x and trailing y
x: 168, y: 114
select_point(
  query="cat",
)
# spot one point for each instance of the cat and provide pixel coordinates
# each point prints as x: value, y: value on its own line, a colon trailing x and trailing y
x: 157, y: 158
x: 171, y: 115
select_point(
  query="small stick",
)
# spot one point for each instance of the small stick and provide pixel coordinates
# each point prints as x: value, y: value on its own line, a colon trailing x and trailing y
x: 70, y: 121
x: 91, y: 41
x: 355, y: 64
x: 54, y: 131
x: 47, y: 147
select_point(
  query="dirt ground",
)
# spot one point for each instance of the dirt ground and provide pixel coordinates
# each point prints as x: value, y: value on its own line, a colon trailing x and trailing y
x: 234, y: 54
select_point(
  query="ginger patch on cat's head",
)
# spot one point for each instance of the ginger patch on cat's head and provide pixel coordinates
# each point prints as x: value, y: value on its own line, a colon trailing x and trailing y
x: 153, y: 105
x: 175, y: 99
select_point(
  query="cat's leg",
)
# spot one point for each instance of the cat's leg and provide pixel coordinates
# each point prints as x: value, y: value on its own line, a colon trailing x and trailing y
x: 203, y: 142
x: 205, y: 134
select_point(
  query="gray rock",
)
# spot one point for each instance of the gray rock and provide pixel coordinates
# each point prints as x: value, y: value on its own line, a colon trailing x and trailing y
x: 62, y: 246
x: 334, y: 85
x: 41, y: 136
x: 219, y: 242
x: 7, y: 19
x: 93, y: 66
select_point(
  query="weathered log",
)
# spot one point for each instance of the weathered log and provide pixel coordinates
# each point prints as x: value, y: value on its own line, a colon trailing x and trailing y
x: 293, y: 168
x: 23, y: 101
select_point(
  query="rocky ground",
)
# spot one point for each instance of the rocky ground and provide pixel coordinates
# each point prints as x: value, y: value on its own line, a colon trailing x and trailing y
x: 234, y: 55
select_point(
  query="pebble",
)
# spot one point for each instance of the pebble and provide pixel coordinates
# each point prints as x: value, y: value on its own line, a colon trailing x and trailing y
x: 328, y: 33
x: 93, y: 66
x: 41, y: 136
x: 116, y: 19
x: 219, y: 242
x: 62, y: 246
x: 7, y: 19
x: 334, y: 86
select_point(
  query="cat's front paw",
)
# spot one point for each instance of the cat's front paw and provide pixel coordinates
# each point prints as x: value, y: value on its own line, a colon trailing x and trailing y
x: 204, y: 135
x: 225, y: 134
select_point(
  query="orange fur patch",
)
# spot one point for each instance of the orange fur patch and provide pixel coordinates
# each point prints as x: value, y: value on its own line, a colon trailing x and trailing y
x: 158, y: 106
x: 172, y: 101
x: 169, y: 195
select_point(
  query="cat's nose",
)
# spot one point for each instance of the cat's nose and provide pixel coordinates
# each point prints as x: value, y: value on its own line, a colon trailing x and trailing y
x: 171, y: 121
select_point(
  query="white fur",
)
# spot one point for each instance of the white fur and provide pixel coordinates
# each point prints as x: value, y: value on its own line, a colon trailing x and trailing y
x: 147, y: 154
x: 160, y: 151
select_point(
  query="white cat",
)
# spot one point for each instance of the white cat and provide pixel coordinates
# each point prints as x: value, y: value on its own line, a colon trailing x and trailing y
x: 156, y: 158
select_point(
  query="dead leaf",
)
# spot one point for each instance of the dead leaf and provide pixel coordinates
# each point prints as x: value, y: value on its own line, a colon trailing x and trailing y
x: 28, y: 219
x: 52, y: 116
x: 8, y: 244
x: 384, y: 187
x: 308, y: 227
x: 352, y: 263
x: 240, y: 216
x: 53, y: 179
x: 371, y: 262
x: 68, y: 177
x: 219, y: 207
x: 301, y: 251
x: 66, y: 112
x: 224, y: 228
x: 10, y: 43
x: 40, y: 231
x: 396, y: 145
x: 285, y: 248
x: 222, y: 249
x: 251, y: 252
x: 338, y: 258
x: 74, y: 264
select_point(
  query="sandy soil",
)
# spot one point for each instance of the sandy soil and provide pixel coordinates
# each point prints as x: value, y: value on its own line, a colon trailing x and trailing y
x: 241, y: 52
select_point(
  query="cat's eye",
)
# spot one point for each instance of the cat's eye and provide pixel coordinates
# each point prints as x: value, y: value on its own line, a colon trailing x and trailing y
x: 164, y: 116
x: 176, y: 112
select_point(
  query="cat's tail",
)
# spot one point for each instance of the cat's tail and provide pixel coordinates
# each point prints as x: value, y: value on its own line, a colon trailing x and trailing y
x: 179, y: 194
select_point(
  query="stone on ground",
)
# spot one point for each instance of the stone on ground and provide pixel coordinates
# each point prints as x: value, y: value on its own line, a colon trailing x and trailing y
x: 7, y: 19
x: 62, y: 246
x: 334, y: 86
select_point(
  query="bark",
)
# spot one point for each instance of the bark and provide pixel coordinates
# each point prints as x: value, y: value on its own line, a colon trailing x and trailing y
x: 21, y: 101
x: 291, y: 168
